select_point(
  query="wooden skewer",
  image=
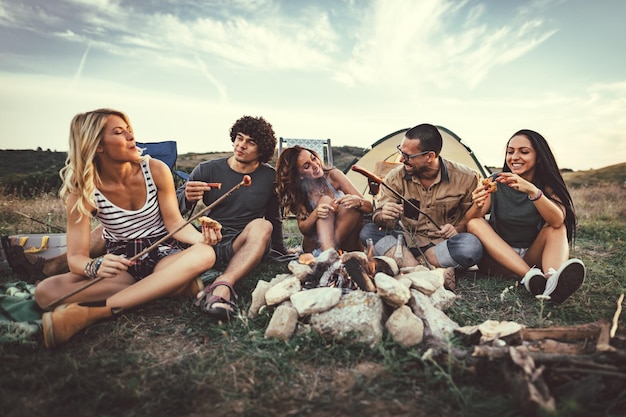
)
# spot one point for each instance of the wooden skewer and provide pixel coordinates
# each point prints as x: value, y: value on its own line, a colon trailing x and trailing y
x: 375, y: 178
x: 616, y: 315
x: 245, y: 183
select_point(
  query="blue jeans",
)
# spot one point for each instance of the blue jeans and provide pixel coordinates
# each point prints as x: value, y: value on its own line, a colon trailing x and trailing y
x: 460, y: 251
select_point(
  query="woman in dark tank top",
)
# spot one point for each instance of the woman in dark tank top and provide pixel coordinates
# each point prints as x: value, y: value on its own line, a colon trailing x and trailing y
x: 531, y: 221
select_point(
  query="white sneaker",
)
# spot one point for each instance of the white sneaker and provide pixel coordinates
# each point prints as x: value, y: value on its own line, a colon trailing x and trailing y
x: 565, y: 281
x: 534, y: 281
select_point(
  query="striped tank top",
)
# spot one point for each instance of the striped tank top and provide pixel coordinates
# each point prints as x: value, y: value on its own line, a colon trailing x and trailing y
x: 121, y: 225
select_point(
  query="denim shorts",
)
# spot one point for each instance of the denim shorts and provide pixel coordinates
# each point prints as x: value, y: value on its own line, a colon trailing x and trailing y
x: 460, y: 251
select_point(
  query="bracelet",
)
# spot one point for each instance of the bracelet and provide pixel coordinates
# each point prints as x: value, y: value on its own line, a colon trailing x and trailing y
x: 537, y: 196
x: 91, y: 269
x: 360, y: 203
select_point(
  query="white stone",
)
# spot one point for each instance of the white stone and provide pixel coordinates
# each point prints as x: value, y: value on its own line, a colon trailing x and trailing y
x: 282, y: 291
x: 425, y: 281
x: 391, y: 290
x: 439, y: 324
x: 301, y: 271
x: 283, y: 322
x: 315, y: 300
x: 442, y: 299
x: 356, y: 318
x: 405, y: 327
x: 258, y: 298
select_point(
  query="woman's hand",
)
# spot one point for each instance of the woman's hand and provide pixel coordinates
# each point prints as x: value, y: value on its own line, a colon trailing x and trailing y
x: 112, y: 265
x: 480, y: 195
x: 324, y: 209
x: 518, y: 183
x: 350, y: 201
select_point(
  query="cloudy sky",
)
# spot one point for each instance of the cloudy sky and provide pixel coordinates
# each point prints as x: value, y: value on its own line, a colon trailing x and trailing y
x: 350, y: 70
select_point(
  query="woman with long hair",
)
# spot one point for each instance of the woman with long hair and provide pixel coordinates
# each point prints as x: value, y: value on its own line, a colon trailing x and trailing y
x: 328, y: 207
x: 133, y: 197
x: 531, y: 220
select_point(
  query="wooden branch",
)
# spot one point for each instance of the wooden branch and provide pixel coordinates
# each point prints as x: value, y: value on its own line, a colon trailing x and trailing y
x: 618, y: 311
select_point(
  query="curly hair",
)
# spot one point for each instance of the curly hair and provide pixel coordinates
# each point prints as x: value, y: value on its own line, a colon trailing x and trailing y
x: 547, y: 174
x: 80, y: 174
x: 261, y: 131
x: 291, y: 192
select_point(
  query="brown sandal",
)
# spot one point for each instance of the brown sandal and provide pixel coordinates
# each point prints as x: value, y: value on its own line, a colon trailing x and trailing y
x: 207, y: 300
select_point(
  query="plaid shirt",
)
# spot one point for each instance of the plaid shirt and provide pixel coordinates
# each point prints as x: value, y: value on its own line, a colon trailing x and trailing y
x: 446, y: 201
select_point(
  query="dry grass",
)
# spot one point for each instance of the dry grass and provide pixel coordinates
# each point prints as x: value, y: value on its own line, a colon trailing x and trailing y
x: 605, y: 201
x: 167, y: 358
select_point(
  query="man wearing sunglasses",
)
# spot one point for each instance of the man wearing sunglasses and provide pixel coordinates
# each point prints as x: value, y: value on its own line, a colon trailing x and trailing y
x: 436, y: 193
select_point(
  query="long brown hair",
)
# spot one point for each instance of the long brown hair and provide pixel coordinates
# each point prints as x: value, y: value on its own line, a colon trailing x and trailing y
x: 289, y: 187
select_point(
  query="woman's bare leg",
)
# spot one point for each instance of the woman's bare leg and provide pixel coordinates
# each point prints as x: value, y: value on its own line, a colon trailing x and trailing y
x: 550, y: 248
x: 348, y: 223
x: 171, y: 273
x: 326, y: 227
x: 497, y: 248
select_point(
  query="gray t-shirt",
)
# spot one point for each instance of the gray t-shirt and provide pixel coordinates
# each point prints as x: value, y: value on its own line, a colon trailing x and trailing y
x: 259, y: 200
x: 514, y: 217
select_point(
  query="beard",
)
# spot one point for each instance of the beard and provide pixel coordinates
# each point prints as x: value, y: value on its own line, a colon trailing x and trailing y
x: 413, y: 171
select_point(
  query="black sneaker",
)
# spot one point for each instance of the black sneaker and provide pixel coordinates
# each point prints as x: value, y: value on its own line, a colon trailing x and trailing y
x: 534, y: 281
x: 564, y: 282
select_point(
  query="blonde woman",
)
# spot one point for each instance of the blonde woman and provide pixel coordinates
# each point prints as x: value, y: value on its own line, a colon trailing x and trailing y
x: 134, y: 198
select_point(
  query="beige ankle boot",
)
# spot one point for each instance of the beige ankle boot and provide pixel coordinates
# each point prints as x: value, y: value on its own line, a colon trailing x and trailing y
x: 191, y: 290
x: 67, y: 320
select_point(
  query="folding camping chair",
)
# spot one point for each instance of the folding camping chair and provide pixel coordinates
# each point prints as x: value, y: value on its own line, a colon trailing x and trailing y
x: 165, y: 151
x: 321, y: 146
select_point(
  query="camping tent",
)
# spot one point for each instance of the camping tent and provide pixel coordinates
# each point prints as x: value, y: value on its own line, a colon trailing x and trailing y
x: 383, y: 155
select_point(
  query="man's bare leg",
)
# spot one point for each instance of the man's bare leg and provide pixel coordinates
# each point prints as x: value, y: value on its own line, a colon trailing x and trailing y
x: 249, y: 248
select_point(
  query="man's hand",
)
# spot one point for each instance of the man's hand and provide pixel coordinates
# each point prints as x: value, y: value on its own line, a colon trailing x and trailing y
x: 391, y: 211
x: 194, y: 190
x: 446, y: 231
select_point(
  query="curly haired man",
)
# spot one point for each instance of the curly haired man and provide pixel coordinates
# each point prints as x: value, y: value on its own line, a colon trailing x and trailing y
x: 250, y: 218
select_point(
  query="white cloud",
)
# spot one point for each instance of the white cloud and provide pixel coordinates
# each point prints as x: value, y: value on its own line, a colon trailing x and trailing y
x: 416, y: 44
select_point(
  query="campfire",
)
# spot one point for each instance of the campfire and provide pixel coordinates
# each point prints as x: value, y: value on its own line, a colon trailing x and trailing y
x: 356, y: 297
x: 348, y: 271
x: 330, y: 285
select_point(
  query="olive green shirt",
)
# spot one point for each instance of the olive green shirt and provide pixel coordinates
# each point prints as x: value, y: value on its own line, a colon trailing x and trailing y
x: 446, y: 201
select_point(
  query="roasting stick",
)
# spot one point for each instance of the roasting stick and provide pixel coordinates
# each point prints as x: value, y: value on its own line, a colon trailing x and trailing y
x: 375, y: 178
x: 616, y: 315
x: 245, y: 183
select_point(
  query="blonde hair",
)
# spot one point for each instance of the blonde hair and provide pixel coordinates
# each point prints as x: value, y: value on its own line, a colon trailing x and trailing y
x: 80, y: 174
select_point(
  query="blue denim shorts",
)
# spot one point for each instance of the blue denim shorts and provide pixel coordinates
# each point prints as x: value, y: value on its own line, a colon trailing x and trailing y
x: 460, y: 251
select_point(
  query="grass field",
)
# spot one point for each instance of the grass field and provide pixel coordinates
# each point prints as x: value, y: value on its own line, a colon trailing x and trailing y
x: 168, y: 359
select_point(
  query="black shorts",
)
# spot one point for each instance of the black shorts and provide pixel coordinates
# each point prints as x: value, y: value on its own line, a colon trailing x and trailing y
x: 224, y: 248
x: 144, y: 265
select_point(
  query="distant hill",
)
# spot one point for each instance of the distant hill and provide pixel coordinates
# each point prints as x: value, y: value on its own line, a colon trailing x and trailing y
x: 611, y: 174
x: 29, y: 172
x: 343, y: 156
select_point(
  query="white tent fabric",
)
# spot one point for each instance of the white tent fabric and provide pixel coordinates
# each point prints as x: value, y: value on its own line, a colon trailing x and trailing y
x: 384, y: 150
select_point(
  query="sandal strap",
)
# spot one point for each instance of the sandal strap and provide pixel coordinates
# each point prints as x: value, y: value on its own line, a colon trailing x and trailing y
x: 213, y: 299
x: 233, y: 294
